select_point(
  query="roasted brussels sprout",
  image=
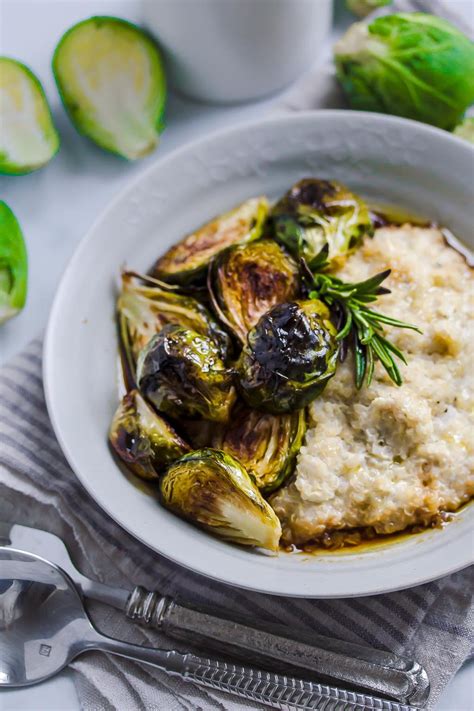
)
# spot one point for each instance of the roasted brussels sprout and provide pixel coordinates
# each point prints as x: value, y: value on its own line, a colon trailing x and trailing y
x: 289, y: 357
x: 266, y: 445
x: 213, y: 490
x: 316, y: 214
x: 248, y: 280
x: 143, y: 440
x: 182, y: 374
x: 144, y: 307
x: 187, y: 261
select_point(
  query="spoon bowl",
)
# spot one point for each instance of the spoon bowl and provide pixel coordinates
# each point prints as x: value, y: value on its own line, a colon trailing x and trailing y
x: 43, y: 624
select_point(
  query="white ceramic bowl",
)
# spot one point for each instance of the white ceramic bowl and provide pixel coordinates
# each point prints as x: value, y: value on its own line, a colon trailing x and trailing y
x: 387, y: 159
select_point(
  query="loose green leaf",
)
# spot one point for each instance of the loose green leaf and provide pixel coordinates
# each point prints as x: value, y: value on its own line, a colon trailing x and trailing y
x: 28, y: 137
x: 111, y: 79
x: 13, y: 265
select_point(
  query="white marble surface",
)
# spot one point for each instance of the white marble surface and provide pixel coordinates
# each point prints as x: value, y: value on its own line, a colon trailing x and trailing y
x: 55, y: 207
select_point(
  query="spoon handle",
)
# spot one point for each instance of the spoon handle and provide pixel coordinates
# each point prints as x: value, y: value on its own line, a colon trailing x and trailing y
x: 279, y: 691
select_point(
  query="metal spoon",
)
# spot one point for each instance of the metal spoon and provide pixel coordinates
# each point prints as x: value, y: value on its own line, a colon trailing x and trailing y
x: 43, y: 627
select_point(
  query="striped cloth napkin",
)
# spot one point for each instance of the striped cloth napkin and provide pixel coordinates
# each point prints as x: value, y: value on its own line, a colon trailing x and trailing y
x: 434, y: 623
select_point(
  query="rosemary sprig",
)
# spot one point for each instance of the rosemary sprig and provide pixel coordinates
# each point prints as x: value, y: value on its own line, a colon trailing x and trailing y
x: 360, y: 325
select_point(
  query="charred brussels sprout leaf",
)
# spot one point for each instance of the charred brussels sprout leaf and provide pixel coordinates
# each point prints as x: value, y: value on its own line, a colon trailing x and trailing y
x: 187, y: 261
x: 142, y: 439
x: 144, y: 308
x: 248, y: 280
x: 111, y: 80
x: 182, y: 374
x: 213, y: 490
x: 13, y: 265
x: 289, y: 357
x: 266, y: 445
x: 317, y: 215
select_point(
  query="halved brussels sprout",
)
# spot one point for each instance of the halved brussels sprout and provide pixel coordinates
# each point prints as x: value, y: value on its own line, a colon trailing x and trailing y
x: 143, y: 440
x: 212, y: 490
x: 188, y: 260
x: 111, y: 80
x: 289, y: 357
x: 28, y: 137
x: 316, y: 214
x: 248, y: 280
x: 182, y: 374
x: 13, y: 265
x: 266, y: 445
x: 144, y: 307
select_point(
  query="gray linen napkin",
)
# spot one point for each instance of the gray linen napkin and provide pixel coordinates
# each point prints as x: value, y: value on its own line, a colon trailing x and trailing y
x: 433, y: 622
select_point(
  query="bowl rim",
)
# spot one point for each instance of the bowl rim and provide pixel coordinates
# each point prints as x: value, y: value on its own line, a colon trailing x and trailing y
x: 449, y: 564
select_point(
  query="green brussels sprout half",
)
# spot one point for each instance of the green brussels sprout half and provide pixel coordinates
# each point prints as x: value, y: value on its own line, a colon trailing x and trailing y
x: 266, y: 445
x: 362, y: 8
x: 212, y: 490
x: 13, y: 265
x: 28, y: 137
x: 465, y: 129
x: 188, y: 260
x: 142, y: 439
x: 145, y: 305
x: 247, y: 280
x: 317, y: 215
x: 413, y: 65
x: 289, y: 357
x: 182, y: 374
x: 111, y: 80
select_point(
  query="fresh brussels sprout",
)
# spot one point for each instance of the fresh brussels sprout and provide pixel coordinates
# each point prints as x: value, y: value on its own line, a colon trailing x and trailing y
x: 362, y: 8
x: 182, y: 374
x: 317, y: 215
x: 144, y: 307
x: 13, y: 265
x: 111, y: 80
x: 466, y: 129
x: 266, y: 445
x: 213, y: 490
x: 248, y: 280
x: 143, y: 440
x: 413, y: 65
x: 289, y: 357
x: 28, y: 137
x: 188, y: 260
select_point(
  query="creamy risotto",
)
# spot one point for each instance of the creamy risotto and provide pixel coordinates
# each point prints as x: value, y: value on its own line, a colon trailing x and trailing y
x: 386, y: 457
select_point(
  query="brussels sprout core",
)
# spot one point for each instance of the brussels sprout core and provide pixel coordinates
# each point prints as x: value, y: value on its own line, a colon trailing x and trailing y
x: 289, y: 357
x: 142, y: 439
x: 317, y: 215
x: 211, y: 489
x: 182, y: 374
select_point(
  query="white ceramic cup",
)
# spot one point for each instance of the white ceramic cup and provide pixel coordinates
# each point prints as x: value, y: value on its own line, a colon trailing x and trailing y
x: 225, y: 51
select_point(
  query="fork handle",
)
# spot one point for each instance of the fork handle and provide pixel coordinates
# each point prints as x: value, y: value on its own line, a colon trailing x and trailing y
x: 275, y: 690
x: 373, y: 670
